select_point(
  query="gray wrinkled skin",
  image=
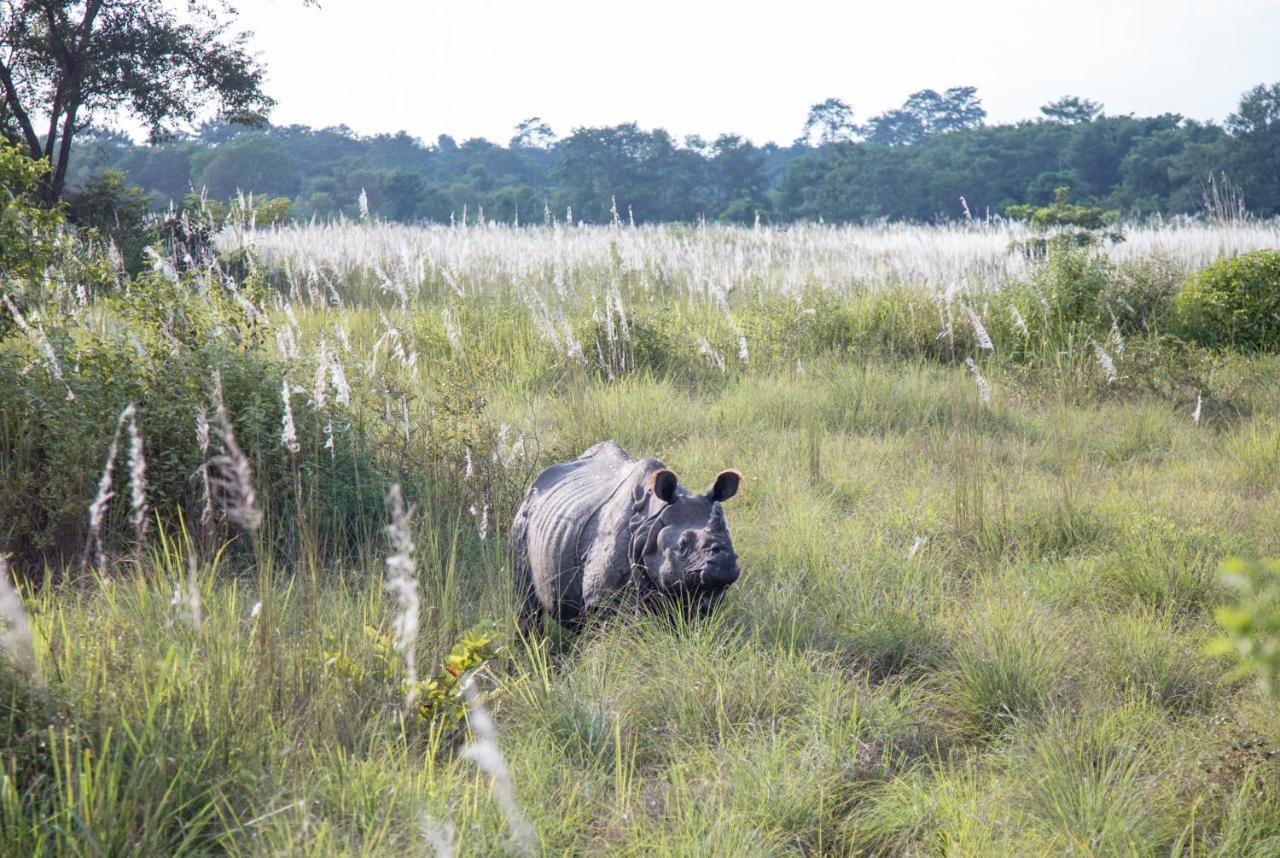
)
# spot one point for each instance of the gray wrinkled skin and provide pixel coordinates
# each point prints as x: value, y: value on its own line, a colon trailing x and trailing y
x: 582, y: 523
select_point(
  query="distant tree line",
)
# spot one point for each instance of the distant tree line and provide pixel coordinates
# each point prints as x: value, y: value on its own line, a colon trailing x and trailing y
x: 914, y: 162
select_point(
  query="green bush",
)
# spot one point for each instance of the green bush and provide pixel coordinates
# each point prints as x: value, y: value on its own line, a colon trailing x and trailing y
x: 1252, y: 624
x: 116, y: 212
x: 1062, y: 213
x: 33, y: 239
x: 160, y: 347
x: 1234, y: 303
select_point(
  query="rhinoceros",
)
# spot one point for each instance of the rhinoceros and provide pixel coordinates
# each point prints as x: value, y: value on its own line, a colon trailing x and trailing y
x: 592, y: 531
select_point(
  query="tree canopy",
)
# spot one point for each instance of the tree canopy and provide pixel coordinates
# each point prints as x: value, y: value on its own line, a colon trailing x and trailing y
x: 912, y: 163
x: 65, y: 65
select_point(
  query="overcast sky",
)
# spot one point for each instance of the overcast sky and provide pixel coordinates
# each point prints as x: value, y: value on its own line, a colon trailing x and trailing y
x: 477, y: 67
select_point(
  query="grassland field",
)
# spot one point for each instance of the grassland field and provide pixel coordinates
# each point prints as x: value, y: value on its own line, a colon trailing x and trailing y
x: 987, y: 499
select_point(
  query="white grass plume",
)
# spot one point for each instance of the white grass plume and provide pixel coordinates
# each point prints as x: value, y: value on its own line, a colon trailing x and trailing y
x: 452, y: 331
x: 338, y: 378
x: 485, y: 753
x: 137, y: 486
x: 319, y: 395
x: 186, y: 596
x: 1107, y: 364
x: 402, y: 582
x: 137, y: 476
x: 1115, y: 339
x: 202, y: 438
x: 1018, y: 322
x: 984, y: 387
x: 288, y: 432
x: 979, y: 330
x: 481, y: 517
x: 231, y: 478
x: 15, y: 634
x: 442, y: 837
x: 37, y: 334
x: 98, y: 507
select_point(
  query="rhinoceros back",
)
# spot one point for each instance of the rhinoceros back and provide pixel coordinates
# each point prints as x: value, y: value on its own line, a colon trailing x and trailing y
x: 569, y: 537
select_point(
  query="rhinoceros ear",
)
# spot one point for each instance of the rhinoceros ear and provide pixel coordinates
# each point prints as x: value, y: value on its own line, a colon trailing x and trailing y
x: 663, y: 483
x: 725, y: 486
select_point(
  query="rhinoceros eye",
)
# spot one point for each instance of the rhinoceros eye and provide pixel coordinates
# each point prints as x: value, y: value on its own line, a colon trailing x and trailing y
x: 686, y: 540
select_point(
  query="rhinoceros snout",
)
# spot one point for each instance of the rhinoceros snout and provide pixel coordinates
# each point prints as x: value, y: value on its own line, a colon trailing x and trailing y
x: 720, y: 574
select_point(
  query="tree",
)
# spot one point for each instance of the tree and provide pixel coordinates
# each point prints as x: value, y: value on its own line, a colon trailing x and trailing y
x: 1071, y: 109
x: 832, y: 120
x: 738, y: 181
x: 623, y: 167
x: 253, y: 163
x: 119, y: 212
x: 69, y: 63
x: 960, y: 108
x: 895, y: 128
x: 533, y: 133
x: 1255, y: 156
x: 1259, y: 109
x: 926, y: 113
x: 402, y: 194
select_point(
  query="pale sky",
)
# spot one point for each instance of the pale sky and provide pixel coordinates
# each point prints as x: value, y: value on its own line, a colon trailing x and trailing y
x: 477, y: 67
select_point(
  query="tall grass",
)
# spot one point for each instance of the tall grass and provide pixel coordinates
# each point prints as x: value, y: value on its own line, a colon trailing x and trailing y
x: 968, y: 622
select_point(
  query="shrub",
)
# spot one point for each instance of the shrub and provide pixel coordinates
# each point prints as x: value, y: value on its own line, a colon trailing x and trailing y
x: 1062, y: 213
x: 1075, y: 283
x: 160, y: 349
x: 1234, y: 303
x: 1252, y: 624
x: 117, y: 212
x: 28, y: 233
x: 32, y: 238
x: 378, y: 677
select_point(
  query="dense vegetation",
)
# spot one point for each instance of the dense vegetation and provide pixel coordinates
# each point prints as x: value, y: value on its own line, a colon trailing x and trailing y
x: 980, y: 537
x: 914, y: 163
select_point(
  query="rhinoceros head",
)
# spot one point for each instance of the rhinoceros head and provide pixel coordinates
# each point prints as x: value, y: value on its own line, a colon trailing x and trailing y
x: 686, y: 553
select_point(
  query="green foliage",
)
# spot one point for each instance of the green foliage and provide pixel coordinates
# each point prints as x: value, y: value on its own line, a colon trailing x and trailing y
x: 261, y: 211
x: 29, y: 233
x: 76, y: 66
x: 1062, y: 213
x: 117, y: 213
x: 1071, y: 109
x: 379, y: 678
x: 166, y: 343
x: 1067, y: 299
x: 938, y: 151
x: 1234, y: 303
x: 1252, y: 623
x: 250, y: 162
x: 31, y: 237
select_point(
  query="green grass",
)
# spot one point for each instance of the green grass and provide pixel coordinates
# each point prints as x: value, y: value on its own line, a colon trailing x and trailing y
x: 962, y: 628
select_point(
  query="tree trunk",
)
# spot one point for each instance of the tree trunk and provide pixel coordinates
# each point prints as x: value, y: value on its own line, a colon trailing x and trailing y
x: 59, y: 177
x: 11, y: 97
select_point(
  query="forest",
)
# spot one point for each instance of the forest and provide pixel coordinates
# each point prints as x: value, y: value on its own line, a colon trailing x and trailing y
x: 933, y: 159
